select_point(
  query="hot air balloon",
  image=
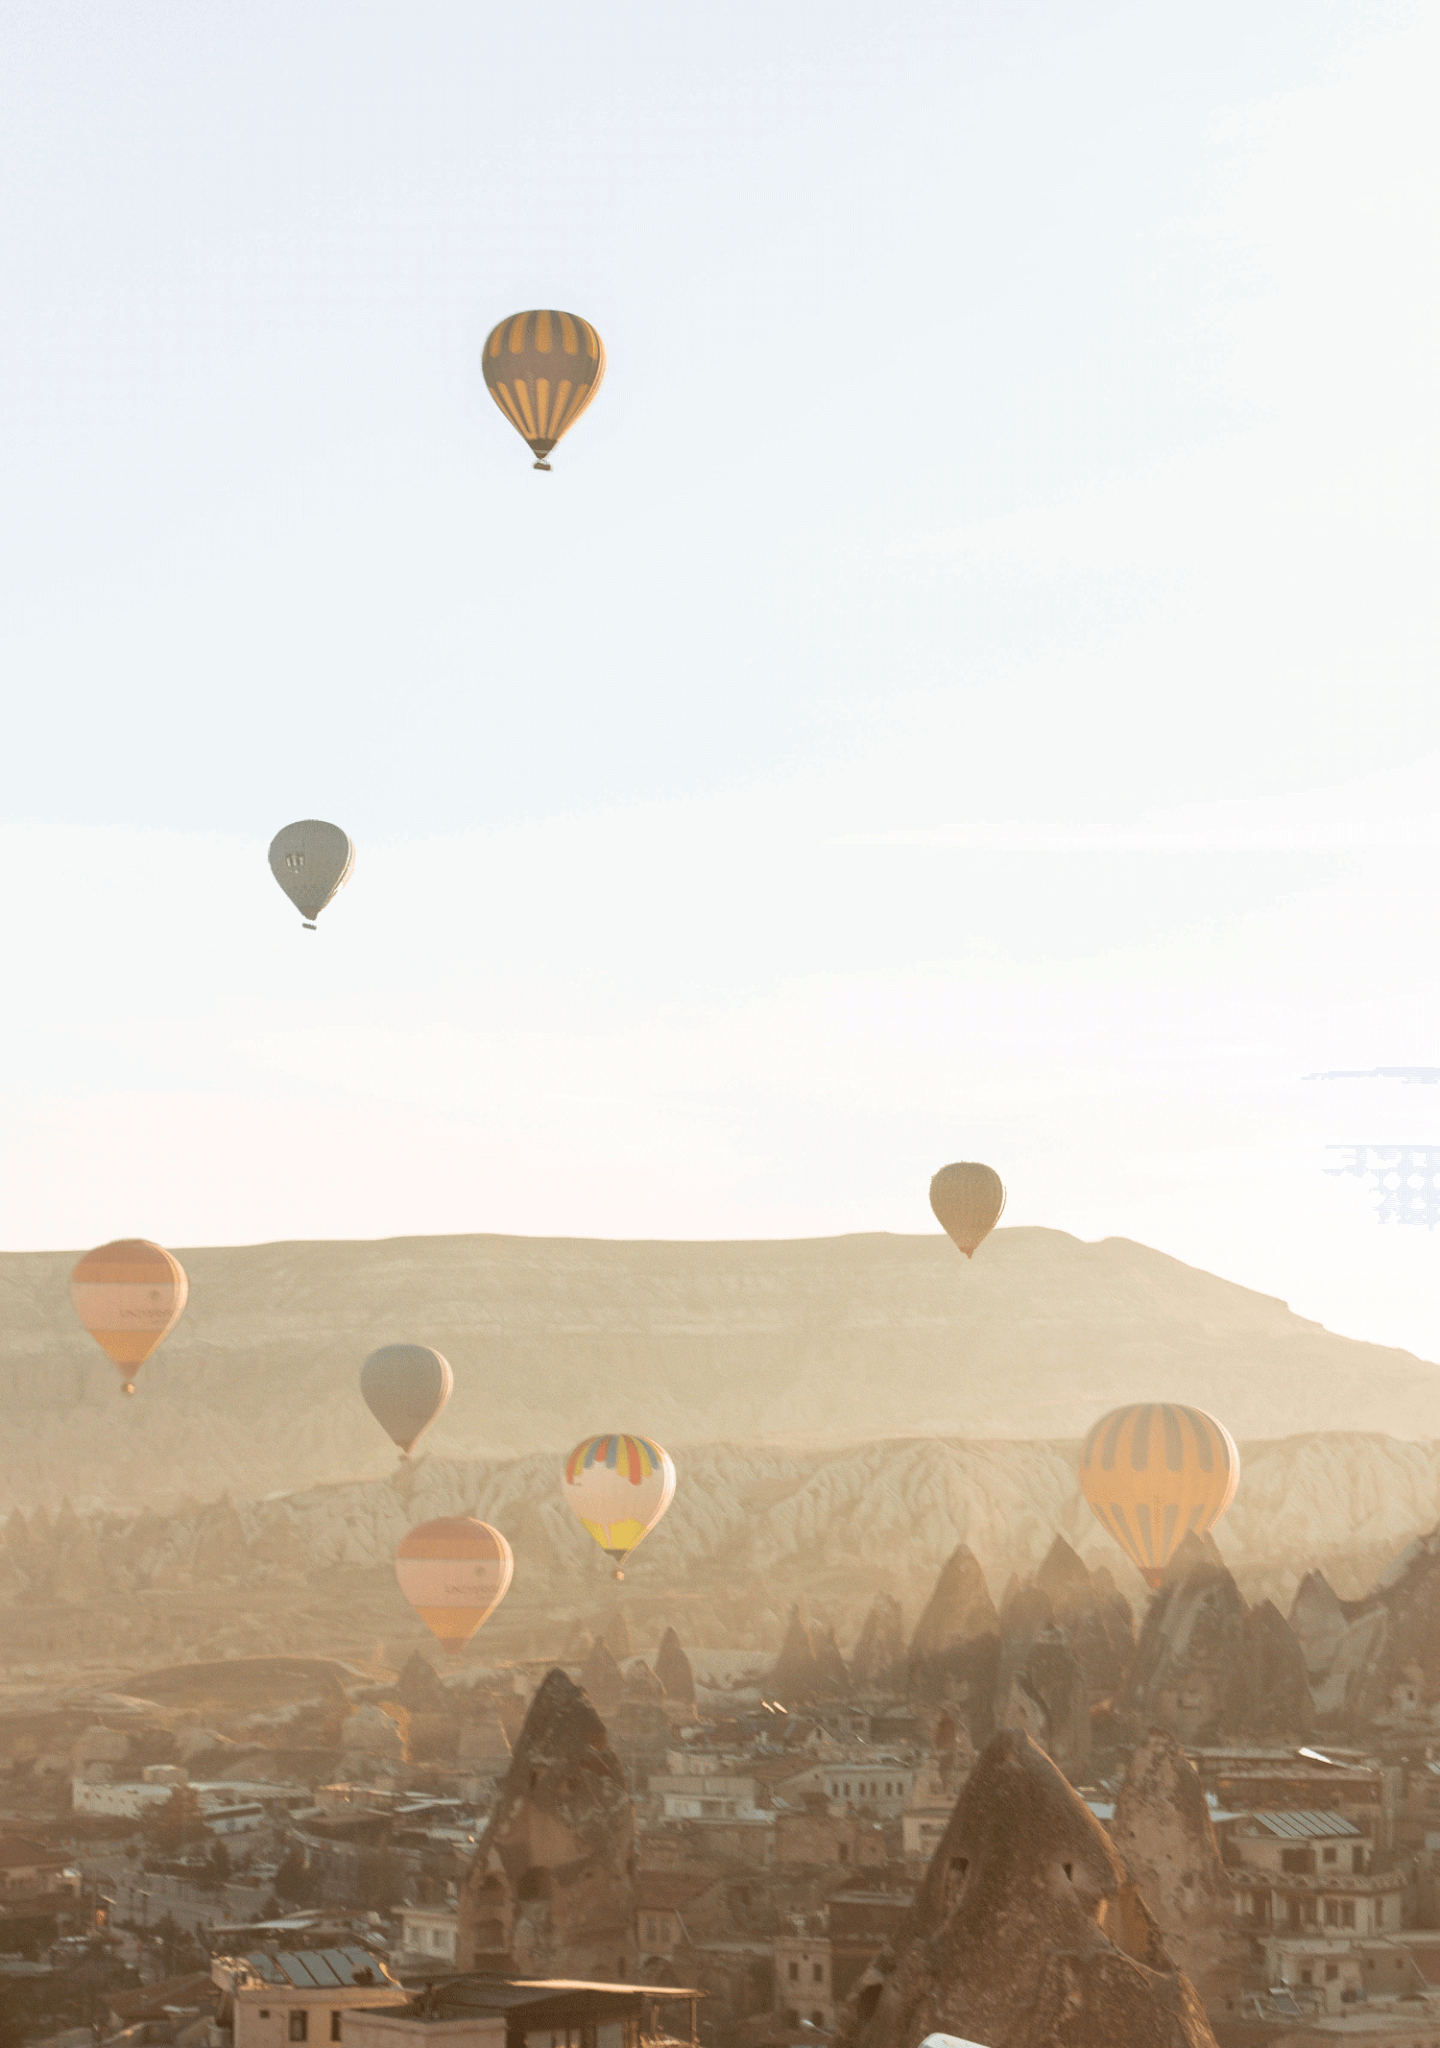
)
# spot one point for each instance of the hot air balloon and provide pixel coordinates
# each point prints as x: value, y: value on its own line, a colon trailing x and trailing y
x: 619, y: 1486
x: 967, y: 1198
x: 129, y: 1295
x: 1155, y: 1471
x: 405, y: 1387
x: 542, y: 370
x: 454, y: 1572
x: 311, y: 861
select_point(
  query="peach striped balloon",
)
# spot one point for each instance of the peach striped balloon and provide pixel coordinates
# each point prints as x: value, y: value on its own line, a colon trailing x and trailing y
x: 129, y: 1295
x: 454, y: 1572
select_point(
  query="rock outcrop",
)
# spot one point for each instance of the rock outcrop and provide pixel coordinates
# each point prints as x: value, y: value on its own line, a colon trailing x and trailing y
x: 954, y: 1654
x: 1163, y: 1832
x: 1207, y: 1665
x: 1096, y: 1617
x: 551, y: 1890
x: 1027, y: 1931
x: 795, y: 1677
x: 672, y: 1668
x: 878, y: 1662
x: 602, y: 1678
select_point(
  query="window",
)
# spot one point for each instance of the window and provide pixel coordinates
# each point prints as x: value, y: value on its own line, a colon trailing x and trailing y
x: 1332, y: 1971
x: 817, y: 2019
x: 299, y: 2026
x: 794, y: 1973
x: 1328, y: 1855
x: 1332, y: 1913
x: 1307, y: 1977
x: 817, y: 1973
x: 335, y: 2033
x: 1347, y: 1912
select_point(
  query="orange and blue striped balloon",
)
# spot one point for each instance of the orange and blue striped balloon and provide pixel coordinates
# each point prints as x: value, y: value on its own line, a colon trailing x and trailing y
x: 1154, y: 1473
x: 619, y: 1487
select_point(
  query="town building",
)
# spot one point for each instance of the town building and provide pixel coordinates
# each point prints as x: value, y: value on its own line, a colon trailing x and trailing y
x: 428, y: 1934
x: 475, y: 2011
x: 272, y: 1998
x: 1303, y: 1873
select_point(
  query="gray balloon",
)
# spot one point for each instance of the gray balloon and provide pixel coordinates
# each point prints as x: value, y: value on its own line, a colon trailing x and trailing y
x: 406, y: 1386
x: 311, y: 861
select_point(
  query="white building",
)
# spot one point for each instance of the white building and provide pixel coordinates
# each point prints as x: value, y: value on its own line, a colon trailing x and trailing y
x: 1311, y: 1874
x: 803, y: 1980
x: 134, y: 1798
x: 702, y: 1795
x: 879, y: 1785
x: 428, y: 1934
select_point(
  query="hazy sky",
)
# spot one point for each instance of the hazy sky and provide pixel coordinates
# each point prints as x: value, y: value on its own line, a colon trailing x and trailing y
x: 968, y: 688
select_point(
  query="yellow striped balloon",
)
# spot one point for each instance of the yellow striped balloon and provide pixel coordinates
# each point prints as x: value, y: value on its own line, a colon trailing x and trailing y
x: 454, y: 1572
x: 542, y: 370
x: 1153, y: 1473
x: 129, y: 1295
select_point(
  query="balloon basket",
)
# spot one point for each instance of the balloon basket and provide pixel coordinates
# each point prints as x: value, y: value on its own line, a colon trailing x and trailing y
x: 543, y: 465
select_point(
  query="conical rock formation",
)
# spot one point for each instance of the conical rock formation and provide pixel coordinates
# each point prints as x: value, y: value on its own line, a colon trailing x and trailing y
x: 551, y: 1890
x: 878, y: 1664
x: 954, y: 1653
x: 672, y: 1668
x: 1162, y: 1829
x: 1027, y: 1932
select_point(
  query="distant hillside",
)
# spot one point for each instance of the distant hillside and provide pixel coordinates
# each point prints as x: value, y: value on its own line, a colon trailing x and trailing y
x: 822, y: 1341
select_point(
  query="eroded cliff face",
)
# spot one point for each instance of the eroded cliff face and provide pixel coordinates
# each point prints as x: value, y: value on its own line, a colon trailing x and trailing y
x: 551, y: 1890
x: 1027, y: 1931
x: 255, y: 1388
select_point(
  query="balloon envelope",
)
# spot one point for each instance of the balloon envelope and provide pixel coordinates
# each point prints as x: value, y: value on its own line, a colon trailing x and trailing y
x: 619, y: 1487
x: 967, y: 1198
x: 129, y: 1295
x: 1152, y: 1473
x: 454, y: 1572
x: 542, y: 369
x: 405, y: 1387
x: 311, y: 861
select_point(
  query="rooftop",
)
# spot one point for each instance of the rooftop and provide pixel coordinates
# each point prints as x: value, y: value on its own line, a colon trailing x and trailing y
x: 1284, y: 1821
x: 310, y: 1968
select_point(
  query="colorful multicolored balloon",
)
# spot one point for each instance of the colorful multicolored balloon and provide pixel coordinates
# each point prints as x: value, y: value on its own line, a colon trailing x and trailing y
x: 619, y: 1487
x: 129, y: 1295
x: 405, y: 1386
x: 311, y: 861
x: 454, y: 1572
x: 967, y: 1199
x: 1154, y: 1472
x: 542, y: 369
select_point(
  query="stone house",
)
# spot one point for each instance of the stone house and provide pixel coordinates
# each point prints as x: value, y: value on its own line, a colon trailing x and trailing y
x: 803, y: 1980
x: 816, y: 1834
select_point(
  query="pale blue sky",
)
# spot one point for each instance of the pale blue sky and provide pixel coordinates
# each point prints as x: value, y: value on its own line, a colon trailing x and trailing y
x: 1020, y: 425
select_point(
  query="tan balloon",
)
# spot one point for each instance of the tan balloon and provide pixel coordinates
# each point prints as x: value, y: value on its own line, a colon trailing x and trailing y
x: 1155, y: 1472
x: 129, y: 1295
x: 967, y: 1199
